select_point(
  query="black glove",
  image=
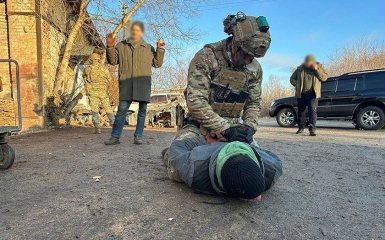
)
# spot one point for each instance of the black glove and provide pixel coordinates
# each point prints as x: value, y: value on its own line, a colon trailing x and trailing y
x: 242, y: 133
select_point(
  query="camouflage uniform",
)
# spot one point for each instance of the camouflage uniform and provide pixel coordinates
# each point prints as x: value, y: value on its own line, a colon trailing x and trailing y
x: 220, y: 93
x: 96, y: 78
x: 213, y: 64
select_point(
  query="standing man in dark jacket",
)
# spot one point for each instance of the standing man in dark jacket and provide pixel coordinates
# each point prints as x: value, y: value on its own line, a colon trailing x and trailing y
x: 307, y: 80
x: 135, y: 58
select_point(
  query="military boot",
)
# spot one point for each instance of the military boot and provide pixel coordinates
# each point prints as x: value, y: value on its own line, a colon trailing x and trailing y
x: 312, y: 132
x: 98, y: 130
x: 112, y: 141
x: 111, y: 118
x: 96, y: 122
x: 300, y: 130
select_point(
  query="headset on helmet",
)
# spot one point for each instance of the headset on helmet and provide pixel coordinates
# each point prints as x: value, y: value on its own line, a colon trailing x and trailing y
x: 249, y: 33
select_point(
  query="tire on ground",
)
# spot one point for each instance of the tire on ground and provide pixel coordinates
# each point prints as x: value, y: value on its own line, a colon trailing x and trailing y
x: 281, y: 118
x: 7, y: 156
x: 365, y: 121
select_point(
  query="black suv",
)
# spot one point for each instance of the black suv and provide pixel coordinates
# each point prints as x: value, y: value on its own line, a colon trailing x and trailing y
x: 357, y: 96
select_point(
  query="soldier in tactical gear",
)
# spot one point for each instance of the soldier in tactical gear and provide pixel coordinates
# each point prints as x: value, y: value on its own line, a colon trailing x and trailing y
x: 224, y: 81
x: 96, y: 78
x: 224, y: 86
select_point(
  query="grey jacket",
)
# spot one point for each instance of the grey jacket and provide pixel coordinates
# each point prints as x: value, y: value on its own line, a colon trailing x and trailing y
x: 135, y: 68
x: 195, y: 163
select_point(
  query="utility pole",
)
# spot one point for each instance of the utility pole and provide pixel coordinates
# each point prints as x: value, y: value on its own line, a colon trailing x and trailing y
x: 124, y: 12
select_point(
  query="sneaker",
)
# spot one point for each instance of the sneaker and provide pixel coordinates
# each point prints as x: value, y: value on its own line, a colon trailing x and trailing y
x: 138, y: 141
x: 98, y: 131
x: 312, y: 132
x: 112, y: 141
x: 299, y: 131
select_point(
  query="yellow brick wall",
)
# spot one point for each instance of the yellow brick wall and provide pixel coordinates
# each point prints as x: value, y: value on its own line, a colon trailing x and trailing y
x: 5, y: 86
x: 23, y: 47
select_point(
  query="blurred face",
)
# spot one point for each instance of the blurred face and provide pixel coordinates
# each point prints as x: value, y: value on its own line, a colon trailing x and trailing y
x: 309, y: 64
x: 136, y: 33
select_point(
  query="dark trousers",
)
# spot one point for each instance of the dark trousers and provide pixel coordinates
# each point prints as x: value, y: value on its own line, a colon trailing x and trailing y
x: 121, y: 116
x: 311, y: 102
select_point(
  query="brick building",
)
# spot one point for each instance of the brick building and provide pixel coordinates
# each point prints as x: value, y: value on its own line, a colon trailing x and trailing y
x: 33, y: 32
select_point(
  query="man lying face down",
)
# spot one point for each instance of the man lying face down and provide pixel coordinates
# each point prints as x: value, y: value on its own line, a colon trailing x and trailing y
x: 235, y: 169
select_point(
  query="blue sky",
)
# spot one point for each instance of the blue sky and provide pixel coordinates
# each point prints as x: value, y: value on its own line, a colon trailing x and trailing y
x: 299, y: 27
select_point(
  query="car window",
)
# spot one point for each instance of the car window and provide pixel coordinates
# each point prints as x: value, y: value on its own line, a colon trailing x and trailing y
x: 329, y: 86
x: 346, y: 85
x: 375, y: 81
x: 359, y: 84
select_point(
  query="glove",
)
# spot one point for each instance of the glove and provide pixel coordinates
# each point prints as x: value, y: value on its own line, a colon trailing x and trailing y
x: 110, y: 41
x: 249, y: 133
x: 242, y: 133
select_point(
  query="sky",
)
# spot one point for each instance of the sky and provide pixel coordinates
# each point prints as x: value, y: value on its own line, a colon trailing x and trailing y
x: 297, y: 27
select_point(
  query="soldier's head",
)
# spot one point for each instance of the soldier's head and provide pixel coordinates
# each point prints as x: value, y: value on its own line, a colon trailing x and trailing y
x: 137, y: 31
x: 250, y: 35
x: 239, y: 171
x: 95, y: 58
x: 309, y: 60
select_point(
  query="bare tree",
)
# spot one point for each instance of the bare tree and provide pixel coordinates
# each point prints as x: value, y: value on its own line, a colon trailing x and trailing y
x: 358, y: 55
x: 160, y: 15
x: 63, y: 66
x: 272, y: 89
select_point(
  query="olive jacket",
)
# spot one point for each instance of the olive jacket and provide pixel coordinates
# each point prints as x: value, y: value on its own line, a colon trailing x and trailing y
x: 135, y: 68
x: 298, y: 76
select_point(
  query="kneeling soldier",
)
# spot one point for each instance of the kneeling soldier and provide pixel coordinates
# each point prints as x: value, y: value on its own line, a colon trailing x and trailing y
x: 224, y: 81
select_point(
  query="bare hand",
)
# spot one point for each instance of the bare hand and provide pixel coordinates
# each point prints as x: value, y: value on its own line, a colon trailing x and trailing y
x: 160, y: 43
x: 110, y: 40
x: 315, y: 66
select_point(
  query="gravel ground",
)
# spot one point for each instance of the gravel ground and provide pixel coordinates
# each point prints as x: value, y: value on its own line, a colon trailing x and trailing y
x: 333, y: 187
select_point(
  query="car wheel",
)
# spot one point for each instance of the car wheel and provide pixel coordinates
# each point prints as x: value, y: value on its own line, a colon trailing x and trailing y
x: 7, y: 156
x: 286, y: 117
x: 371, y: 118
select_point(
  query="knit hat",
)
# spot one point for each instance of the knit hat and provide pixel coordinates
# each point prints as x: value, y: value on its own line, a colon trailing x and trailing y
x: 238, y: 171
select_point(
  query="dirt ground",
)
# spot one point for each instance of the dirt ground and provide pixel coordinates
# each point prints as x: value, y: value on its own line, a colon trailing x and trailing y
x: 333, y: 187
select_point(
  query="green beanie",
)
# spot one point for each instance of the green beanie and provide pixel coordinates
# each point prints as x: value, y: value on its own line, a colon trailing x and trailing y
x: 230, y: 150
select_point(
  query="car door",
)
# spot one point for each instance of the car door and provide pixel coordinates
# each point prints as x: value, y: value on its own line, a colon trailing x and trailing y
x: 328, y: 90
x: 342, y: 101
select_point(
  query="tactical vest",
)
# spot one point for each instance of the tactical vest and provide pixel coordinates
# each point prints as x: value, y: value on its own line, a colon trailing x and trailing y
x: 229, y: 89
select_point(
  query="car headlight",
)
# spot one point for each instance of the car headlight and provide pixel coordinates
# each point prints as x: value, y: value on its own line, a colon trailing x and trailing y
x: 272, y: 103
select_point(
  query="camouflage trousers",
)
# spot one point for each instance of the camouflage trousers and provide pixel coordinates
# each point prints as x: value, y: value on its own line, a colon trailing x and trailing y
x: 95, y: 100
x: 188, y: 131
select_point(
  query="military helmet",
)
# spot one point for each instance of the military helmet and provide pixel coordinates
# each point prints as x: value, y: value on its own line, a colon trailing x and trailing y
x: 249, y: 33
x: 95, y: 57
